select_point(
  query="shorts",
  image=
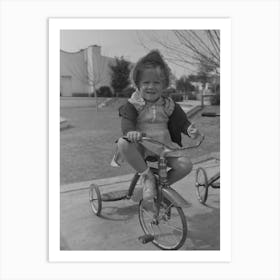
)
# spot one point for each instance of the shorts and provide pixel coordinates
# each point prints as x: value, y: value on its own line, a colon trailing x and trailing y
x: 148, y: 153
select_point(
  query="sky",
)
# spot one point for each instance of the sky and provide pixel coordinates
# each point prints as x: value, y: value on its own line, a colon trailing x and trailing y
x: 126, y: 43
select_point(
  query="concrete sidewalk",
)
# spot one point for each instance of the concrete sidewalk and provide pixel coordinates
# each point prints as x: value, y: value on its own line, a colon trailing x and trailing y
x: 190, y: 107
x: 118, y: 228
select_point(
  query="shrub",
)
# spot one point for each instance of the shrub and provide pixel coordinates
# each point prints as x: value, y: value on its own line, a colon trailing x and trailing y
x: 169, y: 91
x: 177, y: 97
x: 104, y: 91
x: 215, y: 99
x: 192, y: 96
x: 77, y: 94
x: 126, y: 92
x: 120, y: 74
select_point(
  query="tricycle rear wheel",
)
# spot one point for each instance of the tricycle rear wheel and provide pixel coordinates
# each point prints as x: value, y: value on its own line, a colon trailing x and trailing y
x: 201, y: 184
x: 95, y: 199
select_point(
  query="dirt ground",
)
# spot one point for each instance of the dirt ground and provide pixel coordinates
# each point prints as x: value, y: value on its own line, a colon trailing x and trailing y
x: 86, y: 148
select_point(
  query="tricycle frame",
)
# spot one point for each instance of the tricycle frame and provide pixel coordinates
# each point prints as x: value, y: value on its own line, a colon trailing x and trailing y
x: 166, y: 206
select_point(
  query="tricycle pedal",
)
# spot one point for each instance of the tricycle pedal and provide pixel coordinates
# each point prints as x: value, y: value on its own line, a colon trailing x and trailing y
x: 146, y: 238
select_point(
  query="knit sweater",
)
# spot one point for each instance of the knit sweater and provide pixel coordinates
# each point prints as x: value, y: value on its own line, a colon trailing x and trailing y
x: 178, y: 122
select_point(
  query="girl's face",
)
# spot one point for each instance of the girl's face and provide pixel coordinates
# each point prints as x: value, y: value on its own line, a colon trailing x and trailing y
x: 151, y: 84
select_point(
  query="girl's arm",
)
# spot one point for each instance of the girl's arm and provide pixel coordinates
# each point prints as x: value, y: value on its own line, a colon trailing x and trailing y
x: 189, y: 128
x: 127, y: 126
x: 179, y: 118
x: 128, y: 115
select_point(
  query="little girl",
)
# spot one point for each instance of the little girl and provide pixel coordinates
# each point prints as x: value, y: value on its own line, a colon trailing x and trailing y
x: 158, y: 117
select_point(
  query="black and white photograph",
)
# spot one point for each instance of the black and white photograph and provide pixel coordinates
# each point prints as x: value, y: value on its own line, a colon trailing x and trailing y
x: 140, y: 139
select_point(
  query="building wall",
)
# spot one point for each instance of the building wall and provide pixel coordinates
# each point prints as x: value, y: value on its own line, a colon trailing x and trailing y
x: 73, y: 73
x: 83, y: 70
x: 106, y: 81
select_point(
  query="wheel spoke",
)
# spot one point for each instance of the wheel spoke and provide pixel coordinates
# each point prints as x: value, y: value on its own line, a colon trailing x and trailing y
x: 166, y: 224
x: 165, y: 211
x: 168, y: 234
x: 148, y: 214
x: 201, y: 185
x: 95, y: 199
x: 169, y: 228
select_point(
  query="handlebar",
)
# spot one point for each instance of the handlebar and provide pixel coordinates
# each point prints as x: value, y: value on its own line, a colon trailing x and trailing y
x: 151, y: 140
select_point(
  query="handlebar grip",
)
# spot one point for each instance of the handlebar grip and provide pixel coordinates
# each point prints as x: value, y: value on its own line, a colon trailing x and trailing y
x: 143, y: 134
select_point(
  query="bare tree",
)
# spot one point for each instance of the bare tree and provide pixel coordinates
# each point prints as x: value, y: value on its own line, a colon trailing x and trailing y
x: 95, y: 72
x: 190, y: 49
x: 197, y: 51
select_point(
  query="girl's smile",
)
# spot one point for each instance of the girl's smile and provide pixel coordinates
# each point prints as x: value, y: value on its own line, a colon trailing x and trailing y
x: 151, y: 84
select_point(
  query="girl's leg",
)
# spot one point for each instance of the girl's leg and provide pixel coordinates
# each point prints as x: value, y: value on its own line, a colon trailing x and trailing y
x: 180, y: 167
x: 133, y: 155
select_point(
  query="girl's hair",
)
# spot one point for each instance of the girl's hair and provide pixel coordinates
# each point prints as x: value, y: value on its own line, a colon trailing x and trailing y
x: 151, y: 65
x: 152, y: 60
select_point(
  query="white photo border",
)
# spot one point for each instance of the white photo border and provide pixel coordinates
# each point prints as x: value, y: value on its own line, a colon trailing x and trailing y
x: 58, y: 24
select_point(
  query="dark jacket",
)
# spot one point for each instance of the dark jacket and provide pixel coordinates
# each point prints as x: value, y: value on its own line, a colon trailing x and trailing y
x: 178, y: 122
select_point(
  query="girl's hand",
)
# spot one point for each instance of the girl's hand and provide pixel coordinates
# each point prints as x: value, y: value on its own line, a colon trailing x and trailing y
x: 193, y: 131
x: 134, y: 136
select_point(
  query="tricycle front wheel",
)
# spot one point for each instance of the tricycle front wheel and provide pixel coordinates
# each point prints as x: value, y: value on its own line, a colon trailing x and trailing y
x: 169, y: 229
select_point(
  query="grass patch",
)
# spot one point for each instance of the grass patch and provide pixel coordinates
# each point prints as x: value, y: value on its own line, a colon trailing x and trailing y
x: 87, y: 147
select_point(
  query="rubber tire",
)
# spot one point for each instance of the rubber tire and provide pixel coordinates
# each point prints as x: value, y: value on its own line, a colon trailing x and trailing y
x: 184, y: 223
x: 96, y: 209
x: 201, y: 197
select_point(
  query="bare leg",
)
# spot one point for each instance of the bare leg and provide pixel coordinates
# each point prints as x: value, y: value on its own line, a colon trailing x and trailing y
x: 132, y: 154
x: 180, y: 167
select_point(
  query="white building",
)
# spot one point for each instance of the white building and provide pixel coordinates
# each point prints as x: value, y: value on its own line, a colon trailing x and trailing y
x: 83, y: 71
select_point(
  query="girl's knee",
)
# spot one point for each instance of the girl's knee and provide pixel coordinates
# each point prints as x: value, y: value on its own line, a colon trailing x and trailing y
x: 122, y: 144
x: 185, y: 165
x: 126, y: 147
